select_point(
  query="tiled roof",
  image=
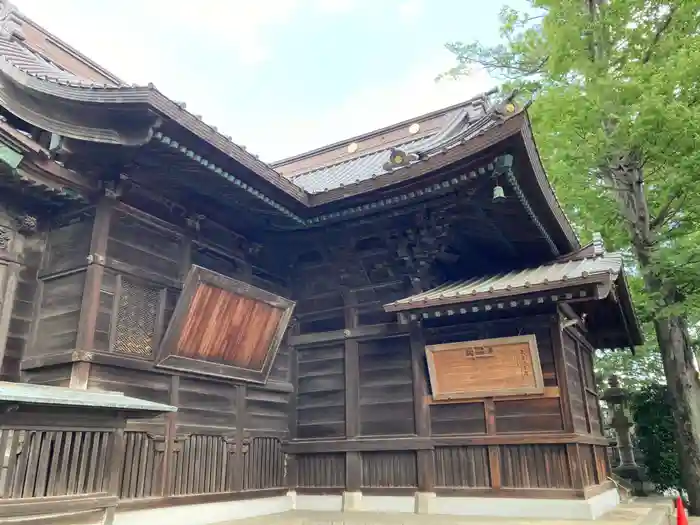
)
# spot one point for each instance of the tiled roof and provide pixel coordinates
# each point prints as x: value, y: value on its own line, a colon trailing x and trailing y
x: 331, y: 173
x: 546, y: 277
x: 30, y: 68
x: 55, y: 395
x: 438, y: 130
x: 456, y: 124
x: 15, y: 53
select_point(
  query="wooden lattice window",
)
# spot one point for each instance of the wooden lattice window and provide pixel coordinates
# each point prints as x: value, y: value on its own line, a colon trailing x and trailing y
x: 506, y: 366
x: 224, y: 328
x: 136, y: 317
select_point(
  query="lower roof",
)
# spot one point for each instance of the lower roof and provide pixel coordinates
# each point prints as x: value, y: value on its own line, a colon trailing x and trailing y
x: 547, y: 277
x: 605, y: 271
x: 24, y: 393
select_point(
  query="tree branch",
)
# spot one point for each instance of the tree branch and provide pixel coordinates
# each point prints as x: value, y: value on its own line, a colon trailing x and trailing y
x: 666, y: 211
x: 659, y: 33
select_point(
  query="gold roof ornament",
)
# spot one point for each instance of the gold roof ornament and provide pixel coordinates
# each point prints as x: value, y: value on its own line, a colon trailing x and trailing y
x: 399, y: 158
x: 506, y: 109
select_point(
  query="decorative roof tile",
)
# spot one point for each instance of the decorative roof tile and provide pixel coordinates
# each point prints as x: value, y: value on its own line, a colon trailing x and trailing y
x: 15, y: 53
x: 546, y: 277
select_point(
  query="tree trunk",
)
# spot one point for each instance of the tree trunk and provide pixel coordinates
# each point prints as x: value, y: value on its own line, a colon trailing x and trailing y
x: 681, y: 378
x: 625, y: 175
x: 684, y: 389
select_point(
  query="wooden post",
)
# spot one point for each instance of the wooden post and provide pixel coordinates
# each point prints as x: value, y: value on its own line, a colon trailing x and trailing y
x: 575, y: 465
x: 8, y: 276
x: 238, y: 480
x: 584, y: 392
x: 421, y: 410
x: 493, y: 450
x: 115, y: 465
x: 562, y: 377
x: 353, y: 460
x: 291, y: 465
x: 170, y: 435
x: 91, y: 293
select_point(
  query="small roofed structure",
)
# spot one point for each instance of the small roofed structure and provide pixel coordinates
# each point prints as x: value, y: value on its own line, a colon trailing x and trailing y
x: 576, y: 282
x: 42, y: 395
x: 61, y: 452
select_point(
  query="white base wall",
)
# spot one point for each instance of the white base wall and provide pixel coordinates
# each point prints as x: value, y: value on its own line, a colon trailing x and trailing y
x: 569, y: 509
x: 429, y: 503
x: 421, y: 503
x: 206, y: 513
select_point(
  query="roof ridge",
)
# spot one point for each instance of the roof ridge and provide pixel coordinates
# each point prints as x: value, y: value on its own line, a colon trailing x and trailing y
x: 481, y: 97
x: 430, y: 139
x: 364, y: 154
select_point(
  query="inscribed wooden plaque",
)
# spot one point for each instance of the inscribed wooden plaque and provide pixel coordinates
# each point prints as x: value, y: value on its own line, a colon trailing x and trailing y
x: 225, y: 327
x: 485, y: 368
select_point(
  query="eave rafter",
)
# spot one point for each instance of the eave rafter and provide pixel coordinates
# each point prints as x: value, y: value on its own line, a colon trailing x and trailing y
x: 26, y: 166
x: 566, y: 295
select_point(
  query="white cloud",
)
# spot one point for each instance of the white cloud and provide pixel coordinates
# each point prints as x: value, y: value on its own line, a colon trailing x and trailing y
x: 411, y: 9
x: 238, y: 27
x: 335, y: 6
x: 374, y: 107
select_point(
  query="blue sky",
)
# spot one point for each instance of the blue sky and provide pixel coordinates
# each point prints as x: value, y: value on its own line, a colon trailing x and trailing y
x: 282, y: 76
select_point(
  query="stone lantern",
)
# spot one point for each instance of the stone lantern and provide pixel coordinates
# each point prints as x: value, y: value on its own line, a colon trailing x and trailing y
x: 618, y: 401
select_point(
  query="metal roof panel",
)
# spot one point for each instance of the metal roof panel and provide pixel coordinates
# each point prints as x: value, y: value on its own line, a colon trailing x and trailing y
x: 56, y: 395
x: 552, y: 275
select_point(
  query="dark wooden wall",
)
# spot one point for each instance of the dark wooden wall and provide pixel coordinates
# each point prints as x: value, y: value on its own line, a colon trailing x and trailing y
x: 364, y: 419
x: 585, y: 407
x: 20, y: 258
x: 348, y: 389
x: 109, y: 283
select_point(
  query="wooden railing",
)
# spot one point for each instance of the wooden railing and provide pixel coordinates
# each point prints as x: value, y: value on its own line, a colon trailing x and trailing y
x: 58, y: 464
x: 48, y: 463
x: 203, y: 467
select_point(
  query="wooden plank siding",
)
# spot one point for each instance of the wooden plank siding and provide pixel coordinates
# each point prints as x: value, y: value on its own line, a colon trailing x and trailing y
x: 386, y: 388
x: 19, y: 287
x: 227, y: 436
x: 500, y: 446
x: 228, y: 328
x: 582, y: 384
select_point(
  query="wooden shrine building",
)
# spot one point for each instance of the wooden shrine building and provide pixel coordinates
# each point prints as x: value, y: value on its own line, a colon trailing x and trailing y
x: 401, y: 321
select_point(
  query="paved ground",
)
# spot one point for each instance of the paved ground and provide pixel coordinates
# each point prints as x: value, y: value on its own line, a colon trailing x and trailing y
x: 635, y: 513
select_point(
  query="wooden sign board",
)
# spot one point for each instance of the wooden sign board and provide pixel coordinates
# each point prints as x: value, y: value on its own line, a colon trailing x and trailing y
x: 509, y: 366
x: 225, y: 328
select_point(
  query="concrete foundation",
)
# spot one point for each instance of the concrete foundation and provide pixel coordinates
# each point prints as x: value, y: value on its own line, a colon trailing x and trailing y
x: 356, y: 503
x: 207, y: 513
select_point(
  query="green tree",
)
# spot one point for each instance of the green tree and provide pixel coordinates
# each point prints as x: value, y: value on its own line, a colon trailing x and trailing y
x: 656, y: 436
x: 616, y: 114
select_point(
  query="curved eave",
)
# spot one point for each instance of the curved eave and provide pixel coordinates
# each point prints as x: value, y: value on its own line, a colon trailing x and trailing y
x: 25, y: 94
x: 517, y: 127
x: 624, y: 298
x: 552, y: 210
